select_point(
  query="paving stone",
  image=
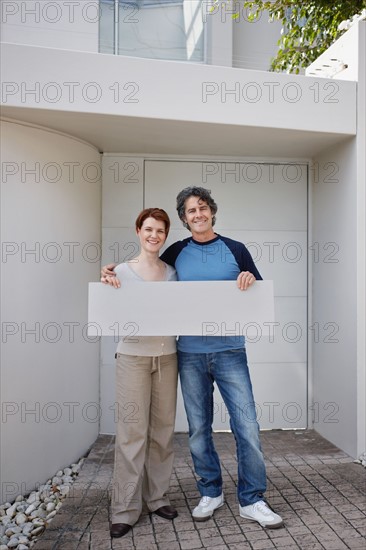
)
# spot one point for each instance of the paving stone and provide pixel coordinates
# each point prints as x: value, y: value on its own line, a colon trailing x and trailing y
x: 356, y: 544
x: 237, y: 537
x: 262, y: 545
x: 332, y: 544
x: 122, y: 543
x: 165, y: 537
x: 190, y: 544
x: 100, y: 545
x: 209, y: 532
x: 45, y: 545
x: 188, y: 535
x: 230, y: 530
x: 316, y: 488
x: 169, y: 546
x: 148, y: 546
x: 240, y: 546
x: 212, y: 542
x: 284, y: 542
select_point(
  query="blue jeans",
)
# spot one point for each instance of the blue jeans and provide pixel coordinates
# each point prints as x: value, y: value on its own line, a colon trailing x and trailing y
x: 229, y: 369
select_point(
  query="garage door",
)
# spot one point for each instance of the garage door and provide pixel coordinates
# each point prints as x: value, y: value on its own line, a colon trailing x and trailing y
x: 265, y: 207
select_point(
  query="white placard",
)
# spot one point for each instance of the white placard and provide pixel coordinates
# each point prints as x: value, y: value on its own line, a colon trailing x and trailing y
x: 208, y: 308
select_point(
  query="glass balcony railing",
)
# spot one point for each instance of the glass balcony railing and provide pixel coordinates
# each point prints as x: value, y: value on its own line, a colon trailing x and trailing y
x: 154, y: 29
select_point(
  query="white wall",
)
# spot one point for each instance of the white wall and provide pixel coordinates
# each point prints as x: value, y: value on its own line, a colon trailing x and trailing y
x: 71, y: 24
x: 361, y: 240
x: 254, y: 43
x: 126, y: 86
x: 122, y: 201
x: 334, y: 302
x: 339, y: 369
x: 341, y: 59
x: 50, y: 228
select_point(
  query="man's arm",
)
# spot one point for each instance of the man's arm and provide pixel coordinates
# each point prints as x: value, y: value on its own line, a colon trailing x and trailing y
x: 108, y: 276
x: 248, y: 271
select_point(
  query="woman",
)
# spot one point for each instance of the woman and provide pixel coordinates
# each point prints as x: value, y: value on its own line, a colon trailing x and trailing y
x: 146, y: 386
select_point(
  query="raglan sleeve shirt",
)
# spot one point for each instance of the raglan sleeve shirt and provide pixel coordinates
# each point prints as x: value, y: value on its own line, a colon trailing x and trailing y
x: 220, y: 259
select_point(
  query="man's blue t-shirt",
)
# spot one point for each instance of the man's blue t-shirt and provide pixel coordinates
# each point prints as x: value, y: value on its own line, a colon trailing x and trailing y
x: 221, y: 259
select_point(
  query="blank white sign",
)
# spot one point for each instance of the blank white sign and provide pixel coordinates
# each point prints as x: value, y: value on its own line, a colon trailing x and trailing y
x: 197, y: 308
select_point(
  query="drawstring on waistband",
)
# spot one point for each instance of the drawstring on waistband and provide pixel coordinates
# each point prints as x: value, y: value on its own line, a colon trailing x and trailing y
x: 156, y: 364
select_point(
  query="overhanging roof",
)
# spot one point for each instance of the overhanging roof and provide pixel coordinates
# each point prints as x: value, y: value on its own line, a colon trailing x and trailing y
x: 164, y: 107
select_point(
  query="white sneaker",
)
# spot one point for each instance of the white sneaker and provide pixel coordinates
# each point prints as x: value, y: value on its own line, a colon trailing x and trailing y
x: 206, y: 507
x: 262, y: 513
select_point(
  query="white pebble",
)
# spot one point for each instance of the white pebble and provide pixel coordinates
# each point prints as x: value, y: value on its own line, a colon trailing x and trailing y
x: 37, y: 531
x: 26, y: 518
x: 12, y: 531
x: 20, y: 519
x: 33, y: 498
x: 37, y: 522
x: 67, y: 479
x: 10, y: 512
x: 64, y: 490
x: 30, y: 509
x: 22, y: 507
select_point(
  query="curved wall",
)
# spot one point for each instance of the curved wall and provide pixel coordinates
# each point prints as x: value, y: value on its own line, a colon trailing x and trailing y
x: 50, y: 229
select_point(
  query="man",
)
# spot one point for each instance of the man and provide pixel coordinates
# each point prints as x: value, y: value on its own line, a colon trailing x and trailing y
x: 203, y: 360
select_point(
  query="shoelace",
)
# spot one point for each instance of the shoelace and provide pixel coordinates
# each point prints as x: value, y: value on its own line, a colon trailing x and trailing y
x: 263, y: 508
x: 206, y: 501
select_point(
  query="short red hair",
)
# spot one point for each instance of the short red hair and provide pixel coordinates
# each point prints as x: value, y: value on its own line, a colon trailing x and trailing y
x: 156, y: 213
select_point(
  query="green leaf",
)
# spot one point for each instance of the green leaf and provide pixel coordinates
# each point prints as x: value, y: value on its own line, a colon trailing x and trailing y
x: 308, y: 29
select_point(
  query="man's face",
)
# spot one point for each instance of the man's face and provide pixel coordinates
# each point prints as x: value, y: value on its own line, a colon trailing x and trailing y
x: 198, y: 216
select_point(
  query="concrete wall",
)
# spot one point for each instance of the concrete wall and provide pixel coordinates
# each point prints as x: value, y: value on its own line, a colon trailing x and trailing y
x: 117, y: 85
x: 71, y: 25
x: 334, y: 299
x: 361, y: 240
x: 50, y: 228
x: 339, y: 275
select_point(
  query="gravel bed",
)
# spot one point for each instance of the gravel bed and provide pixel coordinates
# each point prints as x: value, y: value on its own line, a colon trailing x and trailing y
x: 22, y: 521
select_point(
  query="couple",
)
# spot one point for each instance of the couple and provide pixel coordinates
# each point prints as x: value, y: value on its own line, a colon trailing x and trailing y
x: 147, y: 377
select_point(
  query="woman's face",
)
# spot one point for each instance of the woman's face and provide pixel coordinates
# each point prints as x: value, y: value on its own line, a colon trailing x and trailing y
x: 152, y: 235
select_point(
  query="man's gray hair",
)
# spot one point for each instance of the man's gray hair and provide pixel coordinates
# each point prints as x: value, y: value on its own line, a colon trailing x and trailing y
x: 200, y: 192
